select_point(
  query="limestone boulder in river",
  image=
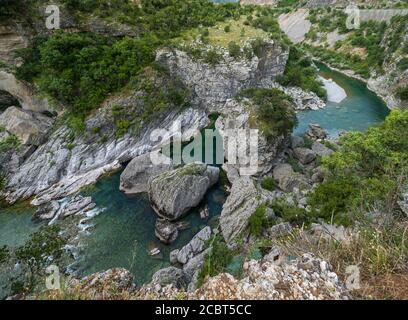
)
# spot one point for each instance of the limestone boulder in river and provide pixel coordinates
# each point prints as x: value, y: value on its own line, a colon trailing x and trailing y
x: 135, y: 177
x: 173, y: 193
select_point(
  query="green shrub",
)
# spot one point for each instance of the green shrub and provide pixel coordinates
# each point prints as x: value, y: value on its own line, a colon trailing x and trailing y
x: 367, y: 171
x: 402, y: 93
x: 268, y: 183
x: 212, y: 57
x: 217, y: 260
x: 258, y: 221
x: 234, y: 50
x: 292, y: 214
x: 274, y: 113
x: 227, y: 28
x: 4, y: 254
x: 11, y: 143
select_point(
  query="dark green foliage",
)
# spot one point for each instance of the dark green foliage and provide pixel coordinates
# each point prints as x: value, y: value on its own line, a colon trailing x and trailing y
x: 34, y: 254
x: 234, y: 50
x: 367, y: 171
x: 274, y: 113
x: 227, y: 28
x: 258, y: 221
x: 212, y: 57
x: 292, y: 214
x: 403, y: 64
x: 268, y: 183
x: 4, y: 254
x: 9, y: 144
x: 300, y: 72
x: 402, y: 93
x: 217, y: 260
x: 80, y: 70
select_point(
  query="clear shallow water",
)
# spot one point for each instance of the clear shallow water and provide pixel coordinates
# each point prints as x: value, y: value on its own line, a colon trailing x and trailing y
x: 16, y: 225
x: 123, y: 233
x: 360, y: 110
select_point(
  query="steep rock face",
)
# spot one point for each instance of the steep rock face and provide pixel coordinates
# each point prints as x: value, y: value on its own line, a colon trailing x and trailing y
x: 244, y: 199
x: 62, y: 166
x: 175, y: 192
x: 234, y: 117
x: 10, y: 40
x: 138, y: 172
x: 213, y: 85
x: 29, y: 127
x: 23, y: 93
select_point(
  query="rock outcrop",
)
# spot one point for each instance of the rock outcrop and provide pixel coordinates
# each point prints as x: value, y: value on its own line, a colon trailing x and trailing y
x: 29, y: 127
x: 243, y: 201
x: 135, y: 178
x: 174, y: 193
x: 62, y: 166
x: 23, y: 93
x: 213, y: 85
x: 166, y: 231
x: 288, y: 180
x: 307, y: 278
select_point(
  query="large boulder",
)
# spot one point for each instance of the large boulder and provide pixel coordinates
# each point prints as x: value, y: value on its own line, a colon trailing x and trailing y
x: 28, y: 126
x: 244, y: 199
x: 139, y: 171
x: 304, y: 155
x: 166, y: 231
x: 171, y: 276
x: 174, y: 193
x: 288, y: 180
x: 195, y: 246
x: 321, y: 150
x: 316, y: 132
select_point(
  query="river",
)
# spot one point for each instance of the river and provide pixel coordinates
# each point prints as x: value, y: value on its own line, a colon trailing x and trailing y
x: 123, y: 234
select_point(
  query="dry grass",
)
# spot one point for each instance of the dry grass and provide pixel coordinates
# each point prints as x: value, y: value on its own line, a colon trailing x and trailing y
x: 380, y: 252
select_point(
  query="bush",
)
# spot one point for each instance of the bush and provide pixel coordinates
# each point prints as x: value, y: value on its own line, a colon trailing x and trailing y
x: 11, y: 143
x: 274, y: 113
x: 212, y: 57
x: 217, y: 260
x: 268, y: 183
x: 402, y: 93
x: 234, y: 50
x: 227, y: 28
x: 258, y: 221
x: 367, y: 171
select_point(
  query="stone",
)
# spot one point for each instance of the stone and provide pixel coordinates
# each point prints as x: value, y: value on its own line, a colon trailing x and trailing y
x: 297, y: 142
x: 77, y: 204
x: 139, y: 171
x: 23, y: 93
x: 173, y: 193
x: 404, y: 203
x: 288, y: 180
x: 195, y: 264
x: 171, y: 275
x: 244, y: 199
x: 173, y: 256
x: 166, y: 231
x: 331, y: 232
x: 321, y: 150
x: 46, y: 211
x: 304, y: 155
x: 280, y: 230
x: 195, y: 246
x: 213, y: 85
x: 274, y: 255
x: 316, y: 132
x: 55, y: 171
x: 318, y: 175
x: 105, y: 285
x: 28, y: 127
